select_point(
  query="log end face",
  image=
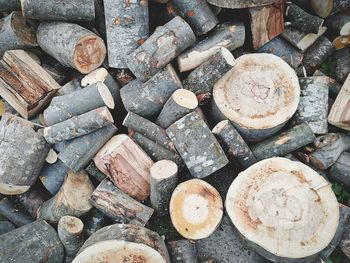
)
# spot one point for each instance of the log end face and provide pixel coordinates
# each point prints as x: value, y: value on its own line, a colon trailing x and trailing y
x: 71, y: 224
x: 163, y: 169
x: 322, y: 8
x: 185, y: 98
x: 97, y: 75
x: 106, y: 95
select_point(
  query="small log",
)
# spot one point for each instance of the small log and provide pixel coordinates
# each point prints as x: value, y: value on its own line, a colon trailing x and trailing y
x: 233, y: 144
x: 52, y: 176
x: 69, y: 87
x: 338, y: 25
x: 197, y: 146
x: 14, y: 215
x: 51, y: 157
x: 70, y: 232
x: 94, y: 221
x: 284, y: 143
x: 238, y: 4
x: 163, y: 180
x: 22, y: 154
x: 72, y: 45
x: 127, y: 165
x: 120, y: 242
x: 76, y: 103
x: 325, y: 8
x: 118, y: 206
x: 166, y: 43
x: 197, y: 14
x: 278, y: 197
x: 202, y: 79
x: 183, y: 251
x: 32, y: 200
x: 66, y: 10
x: 72, y: 198
x: 10, y: 5
x: 127, y: 28
x: 36, y: 242
x: 79, y: 152
x: 94, y: 172
x: 196, y: 209
x: 342, y: 64
x: 5, y: 227
x: 227, y: 35
x: 339, y: 172
x: 147, y: 99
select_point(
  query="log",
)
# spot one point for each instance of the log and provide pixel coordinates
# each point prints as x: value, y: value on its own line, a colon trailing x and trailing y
x: 345, y: 241
x: 78, y: 125
x: 14, y: 215
x: 10, y: 5
x: 197, y: 14
x: 338, y: 25
x: 118, y: 206
x: 275, y: 99
x: 342, y: 64
x: 196, y: 209
x: 234, y: 145
x: 5, y: 227
x: 284, y: 143
x: 313, y: 103
x: 22, y: 154
x: 163, y: 180
x: 325, y: 8
x: 166, y: 43
x: 202, y: 79
x: 123, y: 76
x: 183, y: 251
x: 36, y: 242
x: 238, y: 4
x: 76, y: 103
x: 72, y: 45
x: 120, y: 242
x: 339, y: 172
x: 126, y: 165
x: 197, y: 146
x: 65, y: 10
x: 52, y: 156
x: 16, y: 33
x: 147, y: 99
x: 32, y: 200
x: 94, y: 221
x: 52, y: 176
x: 127, y: 28
x: 227, y: 35
x: 70, y: 232
x: 69, y: 87
x: 277, y: 197
x: 79, y: 152
x: 72, y: 199
x: 94, y: 172
x: 24, y: 84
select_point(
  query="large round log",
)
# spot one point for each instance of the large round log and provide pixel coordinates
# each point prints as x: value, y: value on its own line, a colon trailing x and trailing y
x: 325, y: 8
x: 285, y: 210
x: 262, y: 80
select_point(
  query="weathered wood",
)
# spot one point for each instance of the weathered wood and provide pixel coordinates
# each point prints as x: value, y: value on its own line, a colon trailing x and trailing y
x: 52, y: 176
x: 32, y: 200
x: 72, y: 45
x: 69, y: 87
x: 238, y: 4
x: 339, y: 172
x: 14, y: 215
x: 126, y: 165
x: 278, y: 197
x: 228, y: 35
x: 127, y: 28
x: 196, y: 209
x: 166, y: 43
x: 6, y: 226
x: 72, y: 198
x: 22, y: 154
x: 197, y: 146
x: 94, y: 221
x: 342, y: 64
x: 124, y: 242
x: 325, y: 8
x: 118, y: 206
x: 36, y: 242
x: 66, y: 10
x: 10, y: 5
x: 183, y: 251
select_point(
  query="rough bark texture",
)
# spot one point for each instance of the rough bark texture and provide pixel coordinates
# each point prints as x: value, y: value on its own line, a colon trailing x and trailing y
x: 52, y: 176
x: 14, y: 215
x: 342, y: 64
x: 10, y: 5
x: 94, y: 221
x: 325, y: 8
x: 32, y: 200
x: 183, y: 251
x: 340, y: 171
x: 237, y: 4
x: 166, y: 43
x: 119, y: 206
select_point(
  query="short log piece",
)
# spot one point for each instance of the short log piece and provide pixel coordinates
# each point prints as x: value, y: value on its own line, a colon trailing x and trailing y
x: 325, y: 8
x: 339, y: 172
x: 52, y: 176
x: 183, y: 251
x: 342, y: 64
x: 238, y: 4
x: 13, y: 214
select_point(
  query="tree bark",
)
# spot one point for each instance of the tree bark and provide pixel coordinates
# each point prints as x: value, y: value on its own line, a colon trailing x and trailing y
x: 14, y: 215
x: 339, y: 172
x: 69, y: 87
x: 342, y: 64
x: 94, y: 172
x: 10, y: 5
x: 94, y: 221
x: 183, y: 251
x: 238, y: 4
x: 325, y: 8
x: 32, y: 200
x: 5, y: 227
x: 52, y: 176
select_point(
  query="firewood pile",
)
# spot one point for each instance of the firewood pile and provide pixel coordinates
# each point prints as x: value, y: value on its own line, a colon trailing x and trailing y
x: 174, y: 131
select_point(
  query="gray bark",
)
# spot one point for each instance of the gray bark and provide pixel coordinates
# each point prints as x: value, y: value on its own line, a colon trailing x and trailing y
x: 10, y: 5
x: 93, y: 171
x: 342, y: 64
x: 14, y: 215
x: 32, y: 200
x: 94, y: 221
x: 238, y: 4
x: 336, y: 23
x: 340, y: 171
x: 6, y: 226
x: 52, y: 176
x: 69, y: 87
x: 183, y: 251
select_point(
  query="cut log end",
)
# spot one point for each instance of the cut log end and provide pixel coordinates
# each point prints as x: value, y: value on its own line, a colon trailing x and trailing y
x: 341, y: 42
x: 105, y: 95
x: 229, y: 58
x: 71, y: 224
x: 52, y: 155
x: 185, y: 98
x: 196, y: 209
x: 322, y: 8
x: 98, y: 75
x: 345, y: 30
x: 26, y: 32
x: 163, y: 169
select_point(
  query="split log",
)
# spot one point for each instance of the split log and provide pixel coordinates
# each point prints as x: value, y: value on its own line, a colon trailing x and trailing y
x: 69, y: 87
x: 202, y: 79
x: 238, y: 4
x: 163, y: 180
x: 36, y: 242
x: 94, y: 221
x: 16, y: 33
x: 147, y: 99
x: 342, y: 64
x: 197, y: 14
x: 79, y: 152
x: 10, y: 5
x: 313, y: 103
x: 127, y: 166
x: 233, y: 144
x: 166, y: 43
x: 227, y: 35
x: 128, y: 243
x: 197, y: 146
x: 14, y: 215
x: 72, y: 45
x: 66, y: 10
x: 5, y: 227
x: 72, y: 198
x: 339, y: 172
x: 24, y: 84
x: 262, y: 80
x: 78, y: 125
x: 118, y: 206
x: 52, y: 176
x: 325, y: 8
x: 284, y: 143
x: 280, y: 197
x: 70, y: 232
x: 22, y: 154
x: 127, y: 28
x: 196, y: 209
x: 76, y: 103
x: 338, y: 25
x: 94, y: 172
x: 32, y: 200
x: 183, y: 251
